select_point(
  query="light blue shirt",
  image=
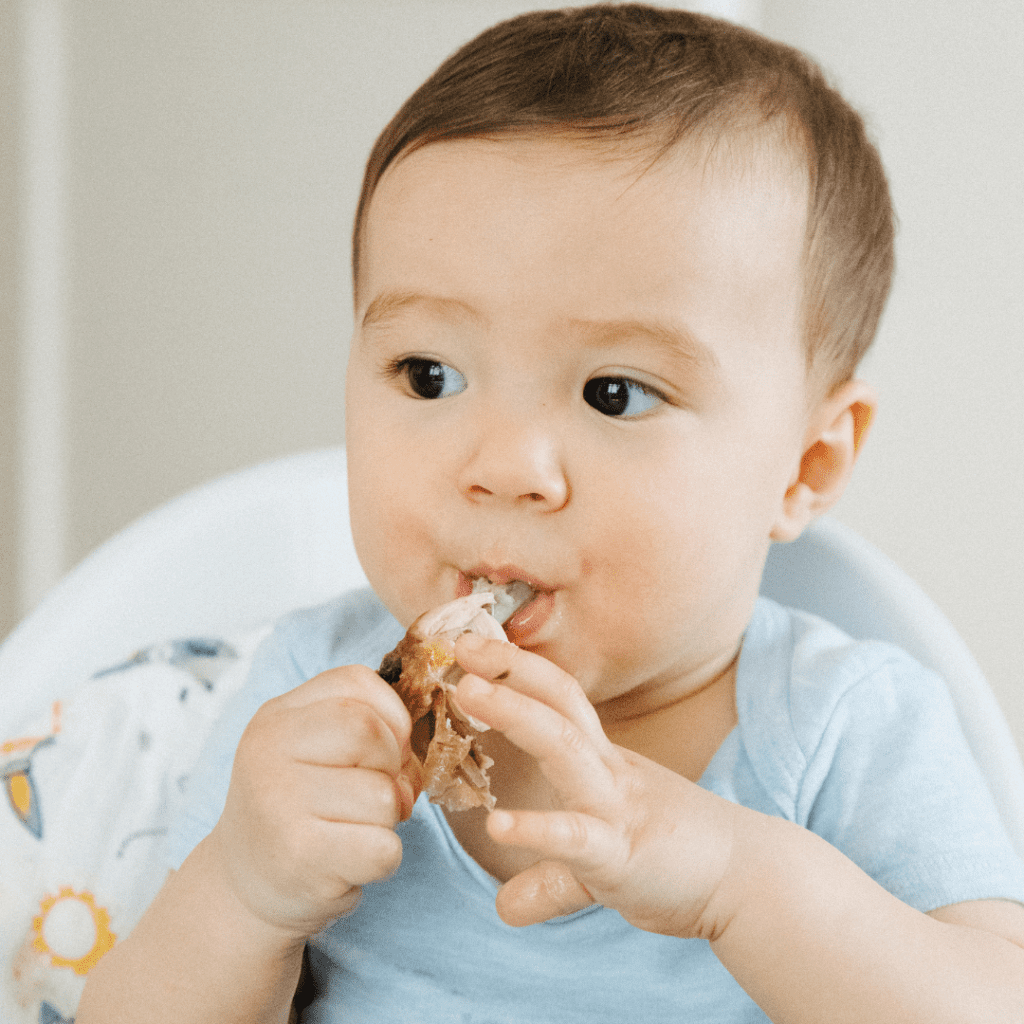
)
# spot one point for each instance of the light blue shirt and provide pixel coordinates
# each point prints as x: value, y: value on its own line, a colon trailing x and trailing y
x: 854, y: 741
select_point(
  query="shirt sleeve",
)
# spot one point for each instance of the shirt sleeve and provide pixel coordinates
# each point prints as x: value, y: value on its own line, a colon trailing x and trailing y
x: 891, y: 782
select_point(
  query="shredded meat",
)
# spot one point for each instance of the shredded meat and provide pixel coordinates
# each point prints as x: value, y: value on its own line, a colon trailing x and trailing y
x: 423, y: 671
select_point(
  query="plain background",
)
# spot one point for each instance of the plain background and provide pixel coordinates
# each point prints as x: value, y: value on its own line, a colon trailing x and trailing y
x: 177, y: 181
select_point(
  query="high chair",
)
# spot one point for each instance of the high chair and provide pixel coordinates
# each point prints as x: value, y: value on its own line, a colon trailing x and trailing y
x: 214, y: 567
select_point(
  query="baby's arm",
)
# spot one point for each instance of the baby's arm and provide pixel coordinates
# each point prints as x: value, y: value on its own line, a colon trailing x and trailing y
x: 811, y: 937
x: 316, y: 790
x: 806, y: 932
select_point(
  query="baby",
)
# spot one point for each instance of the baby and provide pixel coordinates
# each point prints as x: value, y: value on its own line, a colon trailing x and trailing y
x: 615, y: 268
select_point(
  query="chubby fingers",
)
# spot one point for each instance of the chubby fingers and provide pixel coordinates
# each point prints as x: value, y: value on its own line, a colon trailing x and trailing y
x: 347, y: 732
x: 573, y: 848
x: 341, y: 718
x: 545, y: 890
x: 354, y: 683
x: 586, y: 843
x: 530, y: 675
x: 356, y: 796
x: 570, y: 759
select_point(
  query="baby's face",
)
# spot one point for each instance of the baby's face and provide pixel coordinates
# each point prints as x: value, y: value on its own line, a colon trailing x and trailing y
x: 591, y: 378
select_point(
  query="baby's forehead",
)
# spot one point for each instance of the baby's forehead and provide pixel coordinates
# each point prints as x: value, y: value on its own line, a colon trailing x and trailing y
x: 549, y: 233
x: 747, y: 161
x: 745, y: 179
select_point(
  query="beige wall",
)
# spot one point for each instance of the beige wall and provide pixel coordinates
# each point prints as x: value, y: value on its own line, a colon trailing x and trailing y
x: 210, y: 165
x: 8, y: 314
x: 941, y: 484
x: 214, y: 155
x: 209, y: 168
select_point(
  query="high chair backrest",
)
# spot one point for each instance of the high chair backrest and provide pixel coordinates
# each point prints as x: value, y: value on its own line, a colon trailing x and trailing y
x: 215, y: 561
x: 250, y: 546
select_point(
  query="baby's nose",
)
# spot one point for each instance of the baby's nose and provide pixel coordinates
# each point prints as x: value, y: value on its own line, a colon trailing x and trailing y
x: 516, y: 465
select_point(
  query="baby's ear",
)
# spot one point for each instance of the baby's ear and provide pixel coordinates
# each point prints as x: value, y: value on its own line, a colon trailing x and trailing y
x: 835, y: 433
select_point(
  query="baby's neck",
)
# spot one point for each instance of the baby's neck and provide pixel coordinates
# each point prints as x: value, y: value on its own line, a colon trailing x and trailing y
x: 685, y: 734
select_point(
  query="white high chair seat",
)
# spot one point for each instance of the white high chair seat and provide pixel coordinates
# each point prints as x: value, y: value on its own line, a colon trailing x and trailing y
x: 250, y: 546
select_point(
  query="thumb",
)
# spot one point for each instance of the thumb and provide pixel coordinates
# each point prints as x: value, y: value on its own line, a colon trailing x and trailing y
x: 546, y: 889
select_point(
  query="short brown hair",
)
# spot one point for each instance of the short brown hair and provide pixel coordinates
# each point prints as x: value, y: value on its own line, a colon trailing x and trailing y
x: 637, y: 70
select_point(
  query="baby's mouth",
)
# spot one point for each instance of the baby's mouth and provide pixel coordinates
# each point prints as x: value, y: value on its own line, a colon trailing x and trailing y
x: 508, y: 597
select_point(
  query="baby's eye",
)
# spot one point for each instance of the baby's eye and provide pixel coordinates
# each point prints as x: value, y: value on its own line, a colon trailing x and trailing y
x: 619, y: 396
x: 431, y: 379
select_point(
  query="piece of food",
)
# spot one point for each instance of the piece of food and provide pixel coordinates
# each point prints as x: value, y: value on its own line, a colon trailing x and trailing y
x: 508, y: 597
x: 424, y: 673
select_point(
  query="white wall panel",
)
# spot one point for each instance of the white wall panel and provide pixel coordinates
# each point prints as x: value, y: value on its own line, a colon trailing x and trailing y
x: 42, y: 510
x: 10, y: 120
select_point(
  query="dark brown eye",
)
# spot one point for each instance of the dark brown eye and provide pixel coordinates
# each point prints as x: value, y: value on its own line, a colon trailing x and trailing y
x: 430, y: 379
x: 619, y: 396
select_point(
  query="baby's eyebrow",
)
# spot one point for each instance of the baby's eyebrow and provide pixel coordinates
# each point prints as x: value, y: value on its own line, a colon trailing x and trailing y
x: 681, y: 342
x: 676, y: 338
x: 390, y: 305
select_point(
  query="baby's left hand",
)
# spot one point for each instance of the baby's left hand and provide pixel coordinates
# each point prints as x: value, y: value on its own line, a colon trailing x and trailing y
x: 631, y: 834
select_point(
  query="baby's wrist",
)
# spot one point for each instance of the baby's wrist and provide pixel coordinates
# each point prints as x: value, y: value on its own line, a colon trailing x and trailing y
x: 772, y: 860
x: 713, y: 888
x: 249, y: 901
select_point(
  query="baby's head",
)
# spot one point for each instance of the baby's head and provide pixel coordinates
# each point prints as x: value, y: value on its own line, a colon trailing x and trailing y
x: 653, y: 78
x: 614, y: 269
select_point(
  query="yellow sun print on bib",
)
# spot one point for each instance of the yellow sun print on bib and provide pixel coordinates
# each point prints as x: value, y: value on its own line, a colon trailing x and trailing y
x: 73, y: 930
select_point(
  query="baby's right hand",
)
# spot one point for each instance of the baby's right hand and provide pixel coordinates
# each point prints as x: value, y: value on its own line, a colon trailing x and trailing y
x: 321, y: 778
